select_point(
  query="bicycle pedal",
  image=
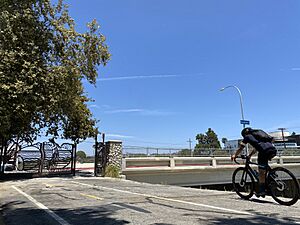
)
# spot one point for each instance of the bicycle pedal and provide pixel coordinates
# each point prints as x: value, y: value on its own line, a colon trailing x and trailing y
x: 258, y: 195
x: 268, y: 192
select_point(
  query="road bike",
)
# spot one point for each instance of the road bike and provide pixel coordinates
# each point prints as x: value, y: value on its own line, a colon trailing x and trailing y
x: 281, y: 183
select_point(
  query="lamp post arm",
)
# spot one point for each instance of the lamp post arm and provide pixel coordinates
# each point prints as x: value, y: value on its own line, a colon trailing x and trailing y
x: 241, y: 102
x: 241, y: 99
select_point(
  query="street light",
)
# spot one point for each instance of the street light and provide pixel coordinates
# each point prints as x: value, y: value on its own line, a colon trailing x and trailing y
x: 241, y: 100
x: 243, y: 121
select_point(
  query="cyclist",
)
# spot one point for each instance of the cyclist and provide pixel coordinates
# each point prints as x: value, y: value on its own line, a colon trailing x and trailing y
x: 266, y: 151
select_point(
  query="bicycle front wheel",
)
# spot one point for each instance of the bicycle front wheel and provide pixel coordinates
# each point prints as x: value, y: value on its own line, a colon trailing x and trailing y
x: 283, y: 186
x: 243, y: 183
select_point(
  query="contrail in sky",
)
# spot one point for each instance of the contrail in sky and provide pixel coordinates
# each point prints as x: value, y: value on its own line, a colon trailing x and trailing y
x: 295, y: 69
x: 118, y: 136
x: 144, y: 112
x: 146, y: 77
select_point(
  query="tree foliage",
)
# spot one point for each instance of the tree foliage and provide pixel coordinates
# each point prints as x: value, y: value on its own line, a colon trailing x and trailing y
x: 224, y: 140
x: 184, y: 152
x: 43, y: 63
x: 207, y: 140
x: 81, y: 155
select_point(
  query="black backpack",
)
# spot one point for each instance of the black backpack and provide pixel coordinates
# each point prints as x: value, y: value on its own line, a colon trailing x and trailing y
x: 261, y: 136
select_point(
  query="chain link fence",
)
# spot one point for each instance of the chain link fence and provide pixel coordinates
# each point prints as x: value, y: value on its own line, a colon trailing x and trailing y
x: 142, y: 151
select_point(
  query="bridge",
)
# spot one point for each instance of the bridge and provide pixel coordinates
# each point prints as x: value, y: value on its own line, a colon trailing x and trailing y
x: 192, y: 171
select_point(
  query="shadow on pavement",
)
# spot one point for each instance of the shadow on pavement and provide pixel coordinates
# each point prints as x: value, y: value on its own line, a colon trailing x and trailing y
x: 235, y: 219
x: 262, y: 201
x: 253, y: 220
x: 82, y: 173
x: 15, y: 214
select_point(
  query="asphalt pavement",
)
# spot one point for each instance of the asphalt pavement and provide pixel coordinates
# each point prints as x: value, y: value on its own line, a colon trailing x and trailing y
x: 89, y: 200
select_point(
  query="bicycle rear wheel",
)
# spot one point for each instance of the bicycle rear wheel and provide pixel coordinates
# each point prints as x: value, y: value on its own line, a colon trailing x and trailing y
x: 243, y: 183
x: 283, y: 186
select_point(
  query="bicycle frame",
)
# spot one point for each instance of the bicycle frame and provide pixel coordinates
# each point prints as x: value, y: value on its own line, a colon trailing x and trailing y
x: 256, y: 177
x: 276, y: 186
x: 249, y: 168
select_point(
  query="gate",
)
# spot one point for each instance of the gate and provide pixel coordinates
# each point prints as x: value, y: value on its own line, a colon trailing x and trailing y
x: 8, y: 155
x: 47, y: 158
x: 29, y: 159
x: 58, y: 159
x: 100, y: 156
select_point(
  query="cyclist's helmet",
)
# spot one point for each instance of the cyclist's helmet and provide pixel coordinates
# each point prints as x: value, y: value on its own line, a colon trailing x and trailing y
x: 246, y: 131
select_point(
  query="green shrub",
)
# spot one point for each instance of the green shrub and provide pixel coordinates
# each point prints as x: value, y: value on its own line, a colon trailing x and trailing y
x: 112, y: 171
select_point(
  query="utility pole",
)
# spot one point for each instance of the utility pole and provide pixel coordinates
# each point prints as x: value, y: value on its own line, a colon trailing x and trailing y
x: 190, y: 144
x: 282, y: 129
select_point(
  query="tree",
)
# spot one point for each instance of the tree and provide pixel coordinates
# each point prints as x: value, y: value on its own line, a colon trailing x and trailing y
x: 81, y: 156
x: 224, y: 140
x: 202, y: 141
x: 43, y: 63
x: 184, y: 152
x: 208, y: 140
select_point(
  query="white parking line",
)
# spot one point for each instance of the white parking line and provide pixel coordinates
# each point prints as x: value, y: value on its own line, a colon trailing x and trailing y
x: 168, y: 199
x: 41, y: 206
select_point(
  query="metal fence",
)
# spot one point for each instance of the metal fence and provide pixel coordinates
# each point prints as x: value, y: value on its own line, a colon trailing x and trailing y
x: 41, y: 158
x: 142, y: 151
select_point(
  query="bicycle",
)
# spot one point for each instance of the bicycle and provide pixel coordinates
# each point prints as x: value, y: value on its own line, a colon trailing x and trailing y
x: 281, y: 183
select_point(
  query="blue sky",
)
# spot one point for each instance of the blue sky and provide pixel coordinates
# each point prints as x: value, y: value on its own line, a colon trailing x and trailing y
x: 171, y: 57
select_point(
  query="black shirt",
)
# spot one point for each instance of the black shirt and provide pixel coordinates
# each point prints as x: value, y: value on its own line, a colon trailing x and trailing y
x: 259, y: 146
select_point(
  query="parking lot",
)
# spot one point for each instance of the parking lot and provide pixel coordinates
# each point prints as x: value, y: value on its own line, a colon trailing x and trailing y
x: 89, y: 200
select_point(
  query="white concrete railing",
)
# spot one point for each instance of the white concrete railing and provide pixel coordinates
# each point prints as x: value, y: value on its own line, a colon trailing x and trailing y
x: 177, y: 162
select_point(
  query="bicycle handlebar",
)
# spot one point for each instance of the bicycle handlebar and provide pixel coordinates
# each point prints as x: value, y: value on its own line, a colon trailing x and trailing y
x: 242, y: 157
x: 236, y: 161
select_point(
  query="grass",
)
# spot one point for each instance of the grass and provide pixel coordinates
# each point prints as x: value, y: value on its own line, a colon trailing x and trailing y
x: 112, y: 171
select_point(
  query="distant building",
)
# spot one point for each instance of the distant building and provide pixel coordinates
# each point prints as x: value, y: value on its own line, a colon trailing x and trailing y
x: 294, y: 139
x: 285, y: 144
x: 290, y: 141
x: 277, y: 135
x: 232, y: 144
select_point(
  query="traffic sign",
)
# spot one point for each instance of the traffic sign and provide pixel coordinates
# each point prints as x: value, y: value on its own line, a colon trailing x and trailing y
x: 245, y: 122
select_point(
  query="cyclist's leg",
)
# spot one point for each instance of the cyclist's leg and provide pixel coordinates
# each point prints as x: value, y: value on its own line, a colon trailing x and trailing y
x: 262, y: 160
